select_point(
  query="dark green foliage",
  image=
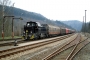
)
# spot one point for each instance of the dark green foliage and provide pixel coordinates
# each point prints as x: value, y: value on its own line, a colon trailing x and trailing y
x: 32, y: 15
x: 86, y: 28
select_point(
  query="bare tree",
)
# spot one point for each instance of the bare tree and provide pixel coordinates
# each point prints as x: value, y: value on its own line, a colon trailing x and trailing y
x: 5, y: 2
x: 4, y: 11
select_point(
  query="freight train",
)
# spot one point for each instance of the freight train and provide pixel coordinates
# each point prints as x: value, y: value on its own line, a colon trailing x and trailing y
x: 35, y: 30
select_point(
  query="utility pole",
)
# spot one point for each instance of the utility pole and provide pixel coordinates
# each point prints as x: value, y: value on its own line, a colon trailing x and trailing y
x: 85, y: 21
x: 21, y: 30
x: 12, y: 21
x: 83, y: 27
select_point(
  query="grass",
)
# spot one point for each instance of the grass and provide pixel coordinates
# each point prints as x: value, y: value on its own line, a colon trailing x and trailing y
x: 9, y: 37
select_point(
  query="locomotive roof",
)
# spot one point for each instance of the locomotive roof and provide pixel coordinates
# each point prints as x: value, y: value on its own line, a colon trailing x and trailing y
x: 31, y: 21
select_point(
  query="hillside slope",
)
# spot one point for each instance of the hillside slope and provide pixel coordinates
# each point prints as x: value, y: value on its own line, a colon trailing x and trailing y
x: 27, y: 16
x: 32, y: 16
x: 74, y: 24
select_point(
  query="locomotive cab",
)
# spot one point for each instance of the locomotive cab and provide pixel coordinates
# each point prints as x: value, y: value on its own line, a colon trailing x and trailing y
x: 29, y: 29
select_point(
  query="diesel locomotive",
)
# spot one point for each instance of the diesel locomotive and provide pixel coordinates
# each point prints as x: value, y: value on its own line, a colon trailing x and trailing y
x: 35, y: 30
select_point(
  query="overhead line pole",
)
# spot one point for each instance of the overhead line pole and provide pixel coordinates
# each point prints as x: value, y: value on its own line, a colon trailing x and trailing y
x: 85, y: 21
x: 83, y: 27
x: 12, y: 21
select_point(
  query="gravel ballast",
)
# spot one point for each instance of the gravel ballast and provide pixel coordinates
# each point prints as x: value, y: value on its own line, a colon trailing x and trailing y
x: 44, y: 51
x: 84, y: 54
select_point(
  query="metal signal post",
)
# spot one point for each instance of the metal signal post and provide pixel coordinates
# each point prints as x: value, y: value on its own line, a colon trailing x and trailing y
x: 3, y: 29
x: 3, y: 25
x: 12, y: 26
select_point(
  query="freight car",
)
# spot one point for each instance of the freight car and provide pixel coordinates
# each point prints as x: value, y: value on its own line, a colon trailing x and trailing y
x: 35, y: 30
x: 52, y: 30
x: 63, y: 31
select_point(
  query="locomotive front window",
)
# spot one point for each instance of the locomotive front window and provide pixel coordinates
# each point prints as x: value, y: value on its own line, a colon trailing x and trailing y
x: 33, y: 24
x: 30, y: 24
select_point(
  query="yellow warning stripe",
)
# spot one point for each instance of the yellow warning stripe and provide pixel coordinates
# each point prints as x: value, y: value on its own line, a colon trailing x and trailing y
x: 32, y: 37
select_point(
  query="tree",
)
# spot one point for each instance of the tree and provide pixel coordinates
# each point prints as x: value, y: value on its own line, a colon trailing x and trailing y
x: 89, y: 27
x: 4, y: 10
x: 86, y: 28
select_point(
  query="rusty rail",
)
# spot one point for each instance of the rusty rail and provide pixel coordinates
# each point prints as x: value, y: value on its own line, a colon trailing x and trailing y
x: 9, y: 52
x: 77, y: 48
x: 65, y: 46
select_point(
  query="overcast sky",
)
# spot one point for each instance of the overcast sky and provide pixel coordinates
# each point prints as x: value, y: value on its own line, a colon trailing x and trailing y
x: 57, y: 9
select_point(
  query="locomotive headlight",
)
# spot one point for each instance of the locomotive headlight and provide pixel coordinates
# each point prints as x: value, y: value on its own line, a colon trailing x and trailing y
x: 24, y: 32
x: 31, y: 31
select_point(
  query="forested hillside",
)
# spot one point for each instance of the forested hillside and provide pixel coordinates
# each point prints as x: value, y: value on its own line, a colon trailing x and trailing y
x: 18, y: 24
x: 86, y: 27
x: 32, y: 16
x: 74, y: 24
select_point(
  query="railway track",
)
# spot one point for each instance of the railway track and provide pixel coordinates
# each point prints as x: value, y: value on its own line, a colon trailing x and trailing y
x: 13, y: 42
x: 12, y: 53
x: 77, y: 48
x: 77, y: 45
